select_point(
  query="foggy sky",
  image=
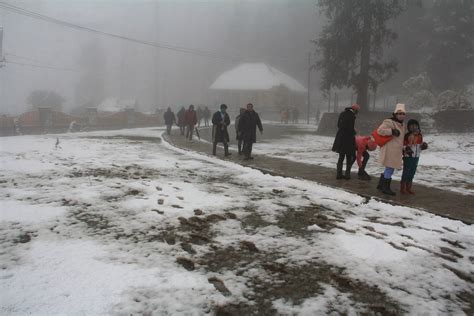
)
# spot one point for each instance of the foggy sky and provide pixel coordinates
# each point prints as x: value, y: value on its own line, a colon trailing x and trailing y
x: 277, y: 32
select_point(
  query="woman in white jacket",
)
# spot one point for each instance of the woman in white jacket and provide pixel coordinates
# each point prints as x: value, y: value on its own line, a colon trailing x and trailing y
x: 392, y: 152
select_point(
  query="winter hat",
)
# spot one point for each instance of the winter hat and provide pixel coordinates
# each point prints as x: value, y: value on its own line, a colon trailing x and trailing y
x: 413, y: 122
x: 400, y: 107
x: 371, y: 145
x: 355, y: 107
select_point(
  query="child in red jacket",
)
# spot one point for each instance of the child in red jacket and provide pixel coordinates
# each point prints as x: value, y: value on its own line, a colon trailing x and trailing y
x: 412, y: 146
x: 364, y: 144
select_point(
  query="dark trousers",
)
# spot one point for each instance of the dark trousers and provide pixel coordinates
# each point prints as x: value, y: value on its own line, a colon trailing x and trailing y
x: 239, y: 145
x: 247, y: 149
x: 181, y: 129
x: 365, y: 159
x: 226, y: 147
x: 350, y: 158
x: 189, y: 132
x: 409, y: 168
x: 168, y: 129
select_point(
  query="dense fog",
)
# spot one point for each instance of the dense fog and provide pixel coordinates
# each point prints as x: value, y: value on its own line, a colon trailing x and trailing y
x: 89, y: 67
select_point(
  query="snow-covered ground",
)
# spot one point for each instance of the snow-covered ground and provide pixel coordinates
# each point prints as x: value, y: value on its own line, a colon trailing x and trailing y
x: 120, y: 222
x: 447, y: 164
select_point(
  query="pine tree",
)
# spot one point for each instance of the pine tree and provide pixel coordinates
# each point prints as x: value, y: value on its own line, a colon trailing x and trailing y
x: 351, y: 44
x: 450, y: 56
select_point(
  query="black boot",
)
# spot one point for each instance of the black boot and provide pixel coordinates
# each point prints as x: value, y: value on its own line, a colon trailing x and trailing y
x: 226, y: 150
x: 339, y: 171
x: 214, y: 148
x: 349, y: 162
x: 386, y: 187
x: 367, y: 176
x: 347, y: 174
x: 362, y: 175
x: 380, y: 184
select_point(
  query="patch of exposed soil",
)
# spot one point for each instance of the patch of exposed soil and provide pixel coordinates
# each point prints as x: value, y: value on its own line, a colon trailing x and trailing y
x: 297, y: 221
x: 295, y: 284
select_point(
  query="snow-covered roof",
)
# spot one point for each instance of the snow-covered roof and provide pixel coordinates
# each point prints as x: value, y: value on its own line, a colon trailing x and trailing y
x: 116, y: 105
x: 255, y: 76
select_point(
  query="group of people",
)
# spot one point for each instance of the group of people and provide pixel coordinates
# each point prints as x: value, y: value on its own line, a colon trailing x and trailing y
x: 399, y: 145
x: 287, y: 112
x: 246, y: 124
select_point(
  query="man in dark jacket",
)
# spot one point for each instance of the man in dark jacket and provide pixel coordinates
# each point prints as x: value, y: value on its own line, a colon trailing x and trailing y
x: 220, y: 121
x: 169, y: 120
x: 181, y: 122
x: 190, y: 120
x: 344, y: 143
x: 248, y: 127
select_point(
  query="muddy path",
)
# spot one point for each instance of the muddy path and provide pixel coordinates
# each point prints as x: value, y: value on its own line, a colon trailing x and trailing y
x: 440, y: 202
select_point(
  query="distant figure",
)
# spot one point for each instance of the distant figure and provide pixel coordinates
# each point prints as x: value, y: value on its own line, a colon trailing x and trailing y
x: 284, y: 116
x: 238, y: 133
x: 190, y: 120
x: 207, y: 115
x: 220, y: 121
x: 248, y: 127
x: 391, y: 153
x: 295, y: 115
x: 364, y: 145
x: 413, y: 144
x: 199, y: 114
x: 16, y: 125
x: 344, y: 143
x: 181, y: 122
x: 170, y: 119
x: 72, y: 127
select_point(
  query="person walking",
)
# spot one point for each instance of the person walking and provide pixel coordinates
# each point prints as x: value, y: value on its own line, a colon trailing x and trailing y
x: 248, y: 123
x: 199, y: 114
x: 296, y: 115
x: 220, y: 121
x: 181, y: 122
x: 190, y: 120
x: 238, y: 132
x: 413, y: 144
x: 391, y: 152
x: 364, y: 145
x: 170, y: 119
x: 344, y: 143
x: 207, y: 115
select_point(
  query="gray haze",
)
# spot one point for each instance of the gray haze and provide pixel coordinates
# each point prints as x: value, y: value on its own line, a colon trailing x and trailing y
x: 277, y: 32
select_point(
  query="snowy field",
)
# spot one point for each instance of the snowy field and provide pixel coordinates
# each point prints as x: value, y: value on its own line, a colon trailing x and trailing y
x: 119, y: 222
x: 447, y: 164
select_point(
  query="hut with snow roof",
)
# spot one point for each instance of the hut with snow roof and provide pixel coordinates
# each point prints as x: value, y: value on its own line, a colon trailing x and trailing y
x: 269, y: 89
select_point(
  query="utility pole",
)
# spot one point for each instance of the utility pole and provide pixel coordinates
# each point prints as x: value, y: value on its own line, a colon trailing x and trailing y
x: 309, y: 82
x: 310, y: 68
x: 2, y: 58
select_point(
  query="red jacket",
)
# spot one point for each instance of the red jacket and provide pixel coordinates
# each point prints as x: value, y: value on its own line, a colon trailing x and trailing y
x: 190, y: 117
x: 361, y: 143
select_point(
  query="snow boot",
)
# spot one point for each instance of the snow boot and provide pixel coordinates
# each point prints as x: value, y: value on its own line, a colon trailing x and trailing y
x: 362, y: 175
x: 403, y: 187
x: 226, y: 150
x: 408, y: 188
x: 367, y: 176
x: 379, y: 185
x: 386, y: 187
x: 347, y: 174
x: 339, y: 172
